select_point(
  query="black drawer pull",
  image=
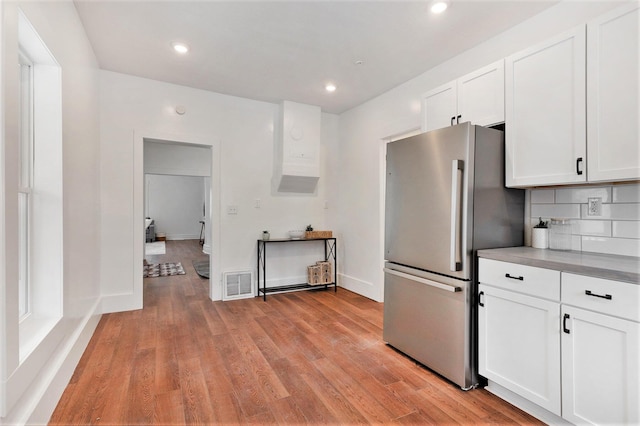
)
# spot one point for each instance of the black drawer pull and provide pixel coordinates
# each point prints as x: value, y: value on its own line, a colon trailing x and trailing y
x: 564, y: 324
x: 480, y: 298
x: 513, y: 277
x: 606, y: 296
x: 578, y: 161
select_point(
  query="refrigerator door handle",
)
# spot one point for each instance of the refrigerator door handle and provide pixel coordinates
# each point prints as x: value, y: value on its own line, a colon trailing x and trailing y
x: 421, y: 280
x: 454, y: 265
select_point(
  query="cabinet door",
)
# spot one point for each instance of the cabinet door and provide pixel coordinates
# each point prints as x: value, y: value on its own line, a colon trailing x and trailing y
x: 439, y: 107
x: 600, y: 373
x: 481, y: 95
x: 612, y: 95
x: 545, y: 113
x: 519, y: 345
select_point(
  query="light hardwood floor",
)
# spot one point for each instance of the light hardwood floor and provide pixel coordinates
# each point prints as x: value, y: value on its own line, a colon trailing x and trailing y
x: 313, y: 357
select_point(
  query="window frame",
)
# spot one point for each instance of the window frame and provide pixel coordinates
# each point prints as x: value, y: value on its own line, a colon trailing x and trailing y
x: 25, y: 184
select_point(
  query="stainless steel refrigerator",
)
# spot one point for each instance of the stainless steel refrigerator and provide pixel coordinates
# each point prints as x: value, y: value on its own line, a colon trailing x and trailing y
x: 445, y: 199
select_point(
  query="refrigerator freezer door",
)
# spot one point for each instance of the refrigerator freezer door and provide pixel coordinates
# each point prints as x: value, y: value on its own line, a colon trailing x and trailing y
x: 426, y: 200
x: 430, y: 324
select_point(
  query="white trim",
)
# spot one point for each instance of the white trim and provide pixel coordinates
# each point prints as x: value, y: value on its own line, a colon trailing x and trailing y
x: 525, y: 405
x: 182, y: 237
x: 177, y: 171
x: 121, y: 302
x: 60, y: 357
x: 364, y: 288
x: 138, y: 240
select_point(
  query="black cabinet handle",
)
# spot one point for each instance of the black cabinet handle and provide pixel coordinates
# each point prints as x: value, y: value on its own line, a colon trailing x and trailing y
x: 606, y: 296
x: 514, y: 277
x: 480, y: 298
x: 578, y: 161
x: 453, y: 118
x: 458, y: 119
x: 564, y: 324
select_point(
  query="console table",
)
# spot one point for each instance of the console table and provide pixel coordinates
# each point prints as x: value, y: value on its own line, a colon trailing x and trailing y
x: 330, y: 254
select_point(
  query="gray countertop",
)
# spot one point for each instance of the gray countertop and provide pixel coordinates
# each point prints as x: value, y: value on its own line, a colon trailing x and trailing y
x: 612, y: 267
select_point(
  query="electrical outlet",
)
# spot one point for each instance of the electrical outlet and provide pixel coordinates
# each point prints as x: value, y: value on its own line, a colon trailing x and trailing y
x: 594, y: 206
x: 232, y: 209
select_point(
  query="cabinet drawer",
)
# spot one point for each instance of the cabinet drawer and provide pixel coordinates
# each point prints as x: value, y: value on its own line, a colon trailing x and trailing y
x: 524, y: 279
x: 596, y: 294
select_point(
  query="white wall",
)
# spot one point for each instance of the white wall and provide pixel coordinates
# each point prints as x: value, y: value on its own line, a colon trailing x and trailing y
x: 359, y: 157
x: 175, y: 203
x: 176, y: 159
x: 29, y: 390
x: 244, y: 129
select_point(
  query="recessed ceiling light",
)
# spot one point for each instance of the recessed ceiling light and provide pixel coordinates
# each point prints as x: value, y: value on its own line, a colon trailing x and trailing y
x: 330, y: 87
x: 180, y: 47
x: 439, y: 6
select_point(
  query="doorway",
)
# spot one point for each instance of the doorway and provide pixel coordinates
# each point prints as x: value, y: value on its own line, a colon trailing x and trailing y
x: 186, y: 156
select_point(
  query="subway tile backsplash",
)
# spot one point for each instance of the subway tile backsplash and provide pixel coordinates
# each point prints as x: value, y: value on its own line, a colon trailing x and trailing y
x: 616, y: 230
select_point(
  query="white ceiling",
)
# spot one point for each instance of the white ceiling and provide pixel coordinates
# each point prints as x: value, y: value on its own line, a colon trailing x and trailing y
x: 288, y: 50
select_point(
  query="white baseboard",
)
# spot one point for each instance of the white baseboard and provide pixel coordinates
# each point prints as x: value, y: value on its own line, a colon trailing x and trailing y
x: 120, y: 303
x: 40, y: 399
x: 183, y: 236
x: 525, y: 405
x: 356, y: 285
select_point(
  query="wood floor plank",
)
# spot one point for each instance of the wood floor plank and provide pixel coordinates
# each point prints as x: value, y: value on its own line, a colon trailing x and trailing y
x: 358, y: 396
x: 169, y: 408
x: 300, y: 358
x: 333, y: 399
x: 260, y: 368
x: 226, y: 409
x: 141, y: 406
x: 167, y: 372
x: 246, y: 387
x: 428, y: 409
x: 302, y: 394
x: 195, y: 394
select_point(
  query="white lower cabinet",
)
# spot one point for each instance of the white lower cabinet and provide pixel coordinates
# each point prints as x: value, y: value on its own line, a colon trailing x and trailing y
x: 519, y: 344
x: 599, y: 368
x: 577, y: 357
x: 600, y: 351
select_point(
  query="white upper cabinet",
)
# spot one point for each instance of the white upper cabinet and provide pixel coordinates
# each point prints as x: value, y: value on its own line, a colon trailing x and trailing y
x: 477, y: 97
x: 439, y: 107
x: 612, y: 95
x: 481, y: 95
x: 545, y: 112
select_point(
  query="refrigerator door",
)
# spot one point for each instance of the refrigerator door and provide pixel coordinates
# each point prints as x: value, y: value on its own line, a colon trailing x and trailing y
x: 429, y: 321
x: 427, y: 189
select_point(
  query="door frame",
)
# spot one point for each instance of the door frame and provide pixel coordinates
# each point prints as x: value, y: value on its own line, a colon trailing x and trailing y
x: 138, y: 241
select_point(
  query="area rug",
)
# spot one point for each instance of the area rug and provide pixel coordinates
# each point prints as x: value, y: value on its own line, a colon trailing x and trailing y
x: 154, y: 270
x: 154, y: 248
x: 201, y: 267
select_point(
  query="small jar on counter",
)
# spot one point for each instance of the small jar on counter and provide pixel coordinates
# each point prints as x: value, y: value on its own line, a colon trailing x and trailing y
x: 560, y: 234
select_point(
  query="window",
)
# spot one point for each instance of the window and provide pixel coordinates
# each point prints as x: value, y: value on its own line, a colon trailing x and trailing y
x: 40, y: 203
x: 25, y: 180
